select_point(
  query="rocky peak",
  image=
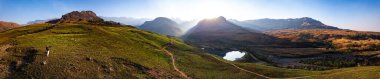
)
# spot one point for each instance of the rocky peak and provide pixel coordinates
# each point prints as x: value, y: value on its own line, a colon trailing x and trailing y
x: 82, y: 16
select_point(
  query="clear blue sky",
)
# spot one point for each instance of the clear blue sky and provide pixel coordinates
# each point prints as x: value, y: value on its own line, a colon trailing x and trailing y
x: 348, y: 14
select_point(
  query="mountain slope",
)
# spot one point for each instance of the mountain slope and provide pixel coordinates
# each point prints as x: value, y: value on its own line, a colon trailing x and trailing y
x: 92, y: 51
x: 277, y: 24
x: 219, y: 33
x: 83, y: 50
x: 8, y: 25
x: 86, y: 51
x: 162, y: 25
x: 342, y: 40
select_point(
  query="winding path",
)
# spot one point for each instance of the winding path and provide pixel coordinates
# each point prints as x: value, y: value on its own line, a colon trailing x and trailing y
x: 173, y: 63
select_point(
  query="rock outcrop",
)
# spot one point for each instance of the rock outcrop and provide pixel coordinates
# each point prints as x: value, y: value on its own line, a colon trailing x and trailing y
x: 82, y: 16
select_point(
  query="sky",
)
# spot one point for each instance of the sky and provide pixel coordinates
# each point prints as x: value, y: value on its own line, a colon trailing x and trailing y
x: 361, y: 15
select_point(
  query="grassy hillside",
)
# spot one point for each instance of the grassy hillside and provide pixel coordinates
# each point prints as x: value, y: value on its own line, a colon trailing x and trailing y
x: 90, y: 51
x: 341, y: 40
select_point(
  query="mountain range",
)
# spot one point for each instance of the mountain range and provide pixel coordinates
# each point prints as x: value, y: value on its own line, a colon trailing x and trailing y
x: 218, y: 33
x: 127, y: 20
x: 278, y: 24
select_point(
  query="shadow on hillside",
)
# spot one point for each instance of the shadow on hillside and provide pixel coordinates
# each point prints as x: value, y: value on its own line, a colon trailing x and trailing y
x: 24, y: 56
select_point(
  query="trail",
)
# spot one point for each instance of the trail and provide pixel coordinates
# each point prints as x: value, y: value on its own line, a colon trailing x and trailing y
x: 174, y: 62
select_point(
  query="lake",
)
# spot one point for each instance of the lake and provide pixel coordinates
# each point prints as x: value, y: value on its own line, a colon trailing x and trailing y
x: 233, y: 55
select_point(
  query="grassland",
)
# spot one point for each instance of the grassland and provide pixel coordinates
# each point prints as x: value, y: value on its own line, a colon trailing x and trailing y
x: 90, y: 51
x: 338, y: 40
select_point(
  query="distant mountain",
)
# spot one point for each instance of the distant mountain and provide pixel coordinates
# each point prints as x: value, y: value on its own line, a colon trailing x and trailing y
x: 185, y: 25
x: 127, y: 20
x: 40, y: 21
x: 278, y: 24
x: 219, y: 33
x: 37, y: 22
x: 8, y: 25
x: 162, y: 25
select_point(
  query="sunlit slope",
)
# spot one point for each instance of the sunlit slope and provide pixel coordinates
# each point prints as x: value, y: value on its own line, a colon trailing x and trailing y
x: 90, y: 51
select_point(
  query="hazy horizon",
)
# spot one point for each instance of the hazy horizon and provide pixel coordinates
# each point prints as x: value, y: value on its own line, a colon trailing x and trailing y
x: 360, y: 15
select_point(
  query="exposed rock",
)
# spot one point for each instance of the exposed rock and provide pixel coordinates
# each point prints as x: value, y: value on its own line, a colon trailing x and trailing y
x: 82, y: 16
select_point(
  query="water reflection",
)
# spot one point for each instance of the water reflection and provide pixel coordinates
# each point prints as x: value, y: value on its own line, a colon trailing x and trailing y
x: 233, y: 55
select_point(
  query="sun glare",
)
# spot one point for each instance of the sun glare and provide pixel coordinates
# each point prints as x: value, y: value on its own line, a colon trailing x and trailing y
x: 208, y: 11
x: 211, y: 9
